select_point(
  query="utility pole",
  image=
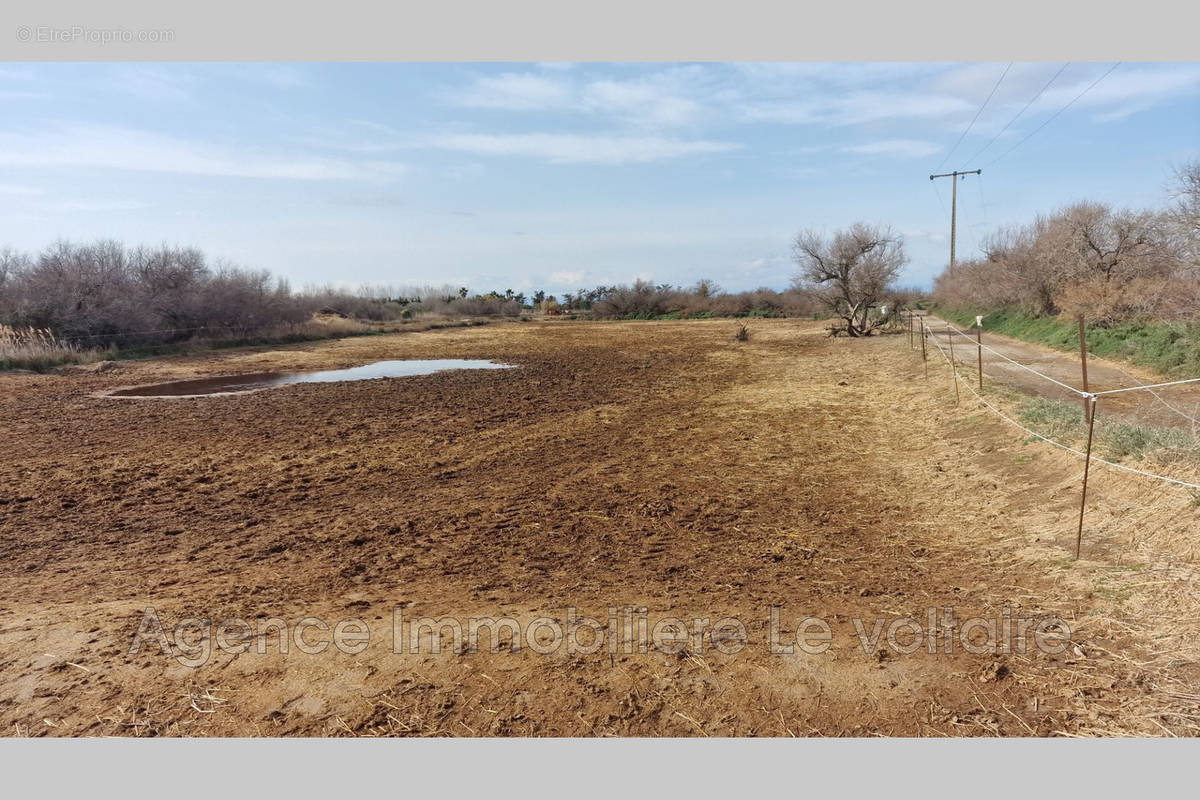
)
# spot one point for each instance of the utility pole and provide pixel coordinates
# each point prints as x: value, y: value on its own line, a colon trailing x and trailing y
x: 954, y: 203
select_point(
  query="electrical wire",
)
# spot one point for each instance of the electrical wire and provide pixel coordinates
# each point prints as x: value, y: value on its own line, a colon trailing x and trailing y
x: 1007, y: 125
x: 1054, y: 116
x: 976, y: 117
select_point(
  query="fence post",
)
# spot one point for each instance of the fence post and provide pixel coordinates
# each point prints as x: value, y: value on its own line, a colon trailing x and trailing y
x: 1090, y: 400
x: 924, y: 353
x: 953, y: 369
x: 1087, y: 408
x: 979, y: 353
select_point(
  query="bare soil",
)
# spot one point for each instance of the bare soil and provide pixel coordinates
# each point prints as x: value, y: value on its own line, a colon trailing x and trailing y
x: 659, y: 465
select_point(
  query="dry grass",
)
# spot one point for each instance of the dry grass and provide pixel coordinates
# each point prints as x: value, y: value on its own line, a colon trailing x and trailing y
x: 34, y: 348
x: 1138, y: 571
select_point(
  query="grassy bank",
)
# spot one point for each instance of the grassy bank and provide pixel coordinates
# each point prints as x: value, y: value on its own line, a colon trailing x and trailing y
x: 1169, y: 348
x: 1114, y: 439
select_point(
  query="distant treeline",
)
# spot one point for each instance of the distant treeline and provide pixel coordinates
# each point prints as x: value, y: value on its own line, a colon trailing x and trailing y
x: 1111, y: 265
x: 105, y: 293
x: 644, y: 300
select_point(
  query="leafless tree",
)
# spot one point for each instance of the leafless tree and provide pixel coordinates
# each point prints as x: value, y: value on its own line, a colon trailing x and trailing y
x: 1094, y: 241
x: 1186, y: 213
x: 851, y: 272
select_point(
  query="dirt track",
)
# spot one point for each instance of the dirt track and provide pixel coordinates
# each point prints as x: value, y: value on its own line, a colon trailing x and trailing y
x: 1174, y: 407
x: 660, y: 465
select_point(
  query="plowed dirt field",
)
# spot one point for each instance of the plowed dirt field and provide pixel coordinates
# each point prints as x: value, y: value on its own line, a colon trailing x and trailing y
x: 655, y: 465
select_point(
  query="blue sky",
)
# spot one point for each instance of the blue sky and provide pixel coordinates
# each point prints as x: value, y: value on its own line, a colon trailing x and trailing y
x: 563, y: 176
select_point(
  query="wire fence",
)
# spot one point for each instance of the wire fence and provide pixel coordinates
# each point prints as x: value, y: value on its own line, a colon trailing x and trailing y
x: 1091, y: 399
x: 1143, y: 416
x: 1123, y: 467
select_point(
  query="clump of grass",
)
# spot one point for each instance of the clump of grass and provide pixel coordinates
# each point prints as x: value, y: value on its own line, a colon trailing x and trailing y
x: 1054, y: 418
x: 1123, y: 439
x: 1063, y: 422
x: 34, y: 348
x: 743, y: 333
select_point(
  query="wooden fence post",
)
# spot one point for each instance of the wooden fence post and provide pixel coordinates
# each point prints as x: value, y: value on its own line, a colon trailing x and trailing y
x: 953, y: 369
x: 1087, y: 463
x: 979, y: 352
x: 924, y: 353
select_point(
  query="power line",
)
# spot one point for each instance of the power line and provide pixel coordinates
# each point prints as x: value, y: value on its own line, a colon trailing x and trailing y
x: 977, y: 113
x: 1032, y: 100
x: 1056, y: 113
x: 941, y: 202
x: 982, y: 203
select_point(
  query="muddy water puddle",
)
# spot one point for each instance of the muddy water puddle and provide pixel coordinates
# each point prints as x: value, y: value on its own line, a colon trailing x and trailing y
x: 257, y: 381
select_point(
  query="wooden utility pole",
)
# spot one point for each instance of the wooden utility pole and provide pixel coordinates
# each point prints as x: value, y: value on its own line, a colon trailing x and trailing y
x: 954, y: 176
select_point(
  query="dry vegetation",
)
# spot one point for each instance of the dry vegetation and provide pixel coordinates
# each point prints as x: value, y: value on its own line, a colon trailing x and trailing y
x: 1111, y: 265
x: 34, y: 347
x: 76, y: 302
x: 660, y: 465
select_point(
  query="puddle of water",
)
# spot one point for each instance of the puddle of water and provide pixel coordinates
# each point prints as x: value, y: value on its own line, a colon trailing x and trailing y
x: 255, y: 381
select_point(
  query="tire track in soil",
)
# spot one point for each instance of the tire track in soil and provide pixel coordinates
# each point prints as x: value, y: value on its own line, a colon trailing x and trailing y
x: 660, y: 465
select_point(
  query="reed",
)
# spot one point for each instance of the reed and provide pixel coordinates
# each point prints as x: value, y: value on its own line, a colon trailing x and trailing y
x: 34, y: 348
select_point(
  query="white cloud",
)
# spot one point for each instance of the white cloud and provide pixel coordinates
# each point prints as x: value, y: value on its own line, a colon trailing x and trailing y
x: 566, y: 277
x: 854, y: 108
x: 581, y: 149
x: 19, y: 95
x: 1127, y: 90
x: 13, y: 189
x: 670, y: 97
x: 94, y: 206
x: 517, y: 92
x: 640, y: 102
x: 153, y: 83
x: 903, y: 148
x: 786, y: 77
x: 466, y: 172
x: 106, y: 147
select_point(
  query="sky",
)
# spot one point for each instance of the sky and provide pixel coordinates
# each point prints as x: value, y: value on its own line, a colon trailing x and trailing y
x: 565, y: 176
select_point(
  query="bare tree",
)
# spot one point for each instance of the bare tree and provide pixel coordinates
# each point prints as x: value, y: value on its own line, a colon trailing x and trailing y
x: 1186, y: 211
x: 851, y: 272
x: 1096, y: 242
